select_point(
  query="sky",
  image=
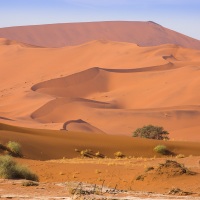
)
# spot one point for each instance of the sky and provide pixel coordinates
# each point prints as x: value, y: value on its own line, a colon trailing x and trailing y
x: 179, y: 15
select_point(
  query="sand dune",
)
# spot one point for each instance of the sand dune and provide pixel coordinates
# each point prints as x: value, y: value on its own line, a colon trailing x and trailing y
x: 59, y: 35
x: 50, y: 144
x: 80, y: 125
x: 114, y: 87
x: 57, y: 102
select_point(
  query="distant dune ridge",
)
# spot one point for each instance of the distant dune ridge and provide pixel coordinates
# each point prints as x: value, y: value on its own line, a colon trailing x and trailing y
x: 60, y: 35
x: 101, y: 86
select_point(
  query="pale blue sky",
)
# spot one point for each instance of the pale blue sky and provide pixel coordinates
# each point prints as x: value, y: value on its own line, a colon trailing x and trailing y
x: 180, y: 15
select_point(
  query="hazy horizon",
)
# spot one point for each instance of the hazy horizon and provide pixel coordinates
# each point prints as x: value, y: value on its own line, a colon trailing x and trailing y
x: 180, y: 15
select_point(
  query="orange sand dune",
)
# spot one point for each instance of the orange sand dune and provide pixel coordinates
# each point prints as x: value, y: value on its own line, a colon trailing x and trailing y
x: 52, y: 144
x: 113, y: 87
x: 80, y: 125
x: 59, y: 35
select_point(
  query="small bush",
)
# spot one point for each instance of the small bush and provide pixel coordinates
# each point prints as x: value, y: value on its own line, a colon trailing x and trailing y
x: 118, y: 154
x: 9, y: 169
x: 180, y: 156
x: 97, y: 154
x: 15, y: 148
x: 29, y: 183
x: 149, y: 169
x: 140, y: 178
x: 161, y: 149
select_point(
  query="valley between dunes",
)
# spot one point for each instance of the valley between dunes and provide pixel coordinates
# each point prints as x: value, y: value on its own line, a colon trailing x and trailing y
x: 101, y: 86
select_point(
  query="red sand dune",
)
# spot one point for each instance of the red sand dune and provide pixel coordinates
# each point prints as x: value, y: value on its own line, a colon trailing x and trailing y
x: 59, y: 35
x: 114, y: 87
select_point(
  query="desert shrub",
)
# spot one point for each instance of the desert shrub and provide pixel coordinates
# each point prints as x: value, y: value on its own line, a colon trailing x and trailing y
x: 180, y: 156
x: 174, y: 168
x: 149, y: 169
x: 118, y: 154
x: 15, y: 148
x: 97, y: 154
x: 9, y: 169
x: 29, y: 183
x: 151, y: 132
x: 84, y: 152
x: 161, y: 149
x: 140, y: 178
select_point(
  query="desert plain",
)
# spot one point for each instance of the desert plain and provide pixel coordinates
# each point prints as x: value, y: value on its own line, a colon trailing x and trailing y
x: 67, y: 89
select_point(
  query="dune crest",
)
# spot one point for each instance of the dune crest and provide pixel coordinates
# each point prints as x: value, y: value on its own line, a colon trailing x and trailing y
x: 81, y: 126
x: 113, y: 86
x: 69, y: 34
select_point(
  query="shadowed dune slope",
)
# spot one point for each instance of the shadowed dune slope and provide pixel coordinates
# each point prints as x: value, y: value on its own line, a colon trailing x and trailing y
x: 80, y: 126
x: 113, y: 87
x: 59, y: 35
x: 49, y: 144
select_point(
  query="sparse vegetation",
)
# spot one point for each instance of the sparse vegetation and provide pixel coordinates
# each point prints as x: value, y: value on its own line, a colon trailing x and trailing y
x: 9, y: 169
x: 161, y: 149
x: 151, y: 132
x: 15, y: 148
x: 180, y: 156
x: 29, y: 183
x: 85, y: 153
x: 119, y: 154
x: 89, y: 153
x: 149, y: 169
x: 177, y: 169
x: 140, y: 178
x: 177, y: 191
x: 97, y: 154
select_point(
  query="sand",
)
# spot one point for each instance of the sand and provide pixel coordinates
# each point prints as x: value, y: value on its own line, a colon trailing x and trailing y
x: 59, y: 177
x: 89, y: 96
x: 52, y: 156
x: 113, y: 87
x: 68, y: 34
x: 51, y: 144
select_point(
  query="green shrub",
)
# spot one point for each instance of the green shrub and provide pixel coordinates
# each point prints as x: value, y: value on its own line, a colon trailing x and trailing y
x: 151, y: 132
x: 15, y: 148
x: 162, y: 149
x: 9, y: 169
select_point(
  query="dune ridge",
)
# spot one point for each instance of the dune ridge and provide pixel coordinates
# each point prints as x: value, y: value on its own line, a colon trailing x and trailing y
x: 66, y: 34
x: 54, y: 144
x: 113, y: 86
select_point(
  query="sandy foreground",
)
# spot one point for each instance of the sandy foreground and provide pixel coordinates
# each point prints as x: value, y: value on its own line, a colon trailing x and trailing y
x: 55, y: 156
x: 110, y: 178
